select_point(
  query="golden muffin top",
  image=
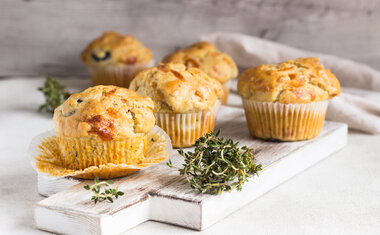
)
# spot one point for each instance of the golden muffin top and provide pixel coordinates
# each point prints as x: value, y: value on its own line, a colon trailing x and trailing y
x: 205, y: 56
x: 113, y: 48
x: 108, y: 112
x: 301, y: 80
x: 175, y: 88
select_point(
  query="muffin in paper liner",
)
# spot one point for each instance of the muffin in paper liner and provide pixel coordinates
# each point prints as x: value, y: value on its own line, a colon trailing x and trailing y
x: 226, y: 90
x: 286, y: 122
x: 118, y: 75
x: 185, y: 128
x: 46, y: 158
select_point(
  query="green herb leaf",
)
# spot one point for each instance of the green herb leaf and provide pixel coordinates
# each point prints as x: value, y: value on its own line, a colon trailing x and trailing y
x: 55, y: 94
x: 107, y: 193
x: 218, y: 165
x: 170, y: 164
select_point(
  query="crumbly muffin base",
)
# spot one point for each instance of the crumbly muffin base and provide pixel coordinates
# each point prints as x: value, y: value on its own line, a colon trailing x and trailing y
x: 185, y: 128
x: 285, y: 122
x: 120, y: 75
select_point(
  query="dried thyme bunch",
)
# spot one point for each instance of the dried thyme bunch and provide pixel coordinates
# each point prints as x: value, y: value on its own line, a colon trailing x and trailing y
x: 108, y: 193
x: 217, y: 165
x: 55, y: 94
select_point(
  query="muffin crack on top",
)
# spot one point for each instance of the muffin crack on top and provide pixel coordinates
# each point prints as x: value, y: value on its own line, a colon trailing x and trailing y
x: 102, y: 127
x: 113, y: 48
x: 302, y: 80
x: 206, y: 57
x: 108, y: 112
x: 175, y: 88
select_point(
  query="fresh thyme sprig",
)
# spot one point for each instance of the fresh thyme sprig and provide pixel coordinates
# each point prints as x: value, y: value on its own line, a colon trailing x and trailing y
x: 55, y: 94
x: 217, y: 165
x: 108, y: 193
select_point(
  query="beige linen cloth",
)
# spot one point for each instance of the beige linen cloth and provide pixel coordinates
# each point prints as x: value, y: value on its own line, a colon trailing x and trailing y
x: 359, y: 103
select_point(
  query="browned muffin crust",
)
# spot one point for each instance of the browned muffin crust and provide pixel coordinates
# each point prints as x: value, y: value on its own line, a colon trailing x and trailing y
x: 108, y: 112
x: 175, y: 88
x: 113, y: 48
x: 301, y: 80
x: 205, y: 56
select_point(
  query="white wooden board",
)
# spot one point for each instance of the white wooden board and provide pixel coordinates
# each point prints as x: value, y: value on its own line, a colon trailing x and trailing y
x: 159, y: 193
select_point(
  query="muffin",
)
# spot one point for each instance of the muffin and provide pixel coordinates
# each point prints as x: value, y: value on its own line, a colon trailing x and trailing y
x: 186, y: 100
x: 115, y: 59
x: 205, y: 56
x: 287, y: 101
x: 101, y: 125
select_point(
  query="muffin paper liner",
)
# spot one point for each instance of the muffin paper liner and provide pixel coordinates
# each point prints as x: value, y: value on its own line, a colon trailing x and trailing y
x: 185, y: 128
x: 287, y: 122
x: 83, y: 152
x: 117, y: 75
x: 46, y: 158
x: 226, y: 89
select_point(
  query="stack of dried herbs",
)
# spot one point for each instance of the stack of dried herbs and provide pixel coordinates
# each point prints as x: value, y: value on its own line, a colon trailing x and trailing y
x: 218, y: 165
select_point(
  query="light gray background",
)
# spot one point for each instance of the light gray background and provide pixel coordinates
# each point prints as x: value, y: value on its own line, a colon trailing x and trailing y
x: 39, y: 37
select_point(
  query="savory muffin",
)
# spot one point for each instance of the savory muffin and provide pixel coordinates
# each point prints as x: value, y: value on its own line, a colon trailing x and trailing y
x: 114, y: 59
x: 206, y: 57
x: 103, y: 124
x: 186, y: 100
x: 287, y: 101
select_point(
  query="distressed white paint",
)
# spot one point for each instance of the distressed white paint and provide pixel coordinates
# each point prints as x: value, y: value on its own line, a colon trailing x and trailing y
x: 159, y: 193
x: 48, y: 185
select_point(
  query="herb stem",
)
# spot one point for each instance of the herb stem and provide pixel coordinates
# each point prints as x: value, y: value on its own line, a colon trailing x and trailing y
x: 108, y: 193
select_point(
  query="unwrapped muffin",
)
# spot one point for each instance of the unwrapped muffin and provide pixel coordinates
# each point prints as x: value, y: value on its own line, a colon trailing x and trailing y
x: 186, y: 100
x: 287, y: 101
x: 205, y: 56
x: 115, y: 59
x: 103, y: 124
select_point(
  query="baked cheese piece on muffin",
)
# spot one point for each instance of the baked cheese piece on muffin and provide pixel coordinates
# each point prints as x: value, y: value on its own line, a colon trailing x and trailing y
x: 114, y: 59
x: 186, y: 100
x: 287, y: 101
x: 103, y: 124
x: 209, y: 59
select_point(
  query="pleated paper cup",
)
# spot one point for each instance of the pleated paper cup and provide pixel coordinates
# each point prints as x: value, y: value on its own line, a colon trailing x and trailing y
x: 46, y: 158
x: 286, y: 122
x: 185, y: 128
x: 226, y: 89
x: 83, y: 152
x: 117, y: 75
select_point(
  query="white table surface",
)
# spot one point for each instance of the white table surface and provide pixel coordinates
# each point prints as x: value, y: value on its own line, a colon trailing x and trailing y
x: 340, y: 195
